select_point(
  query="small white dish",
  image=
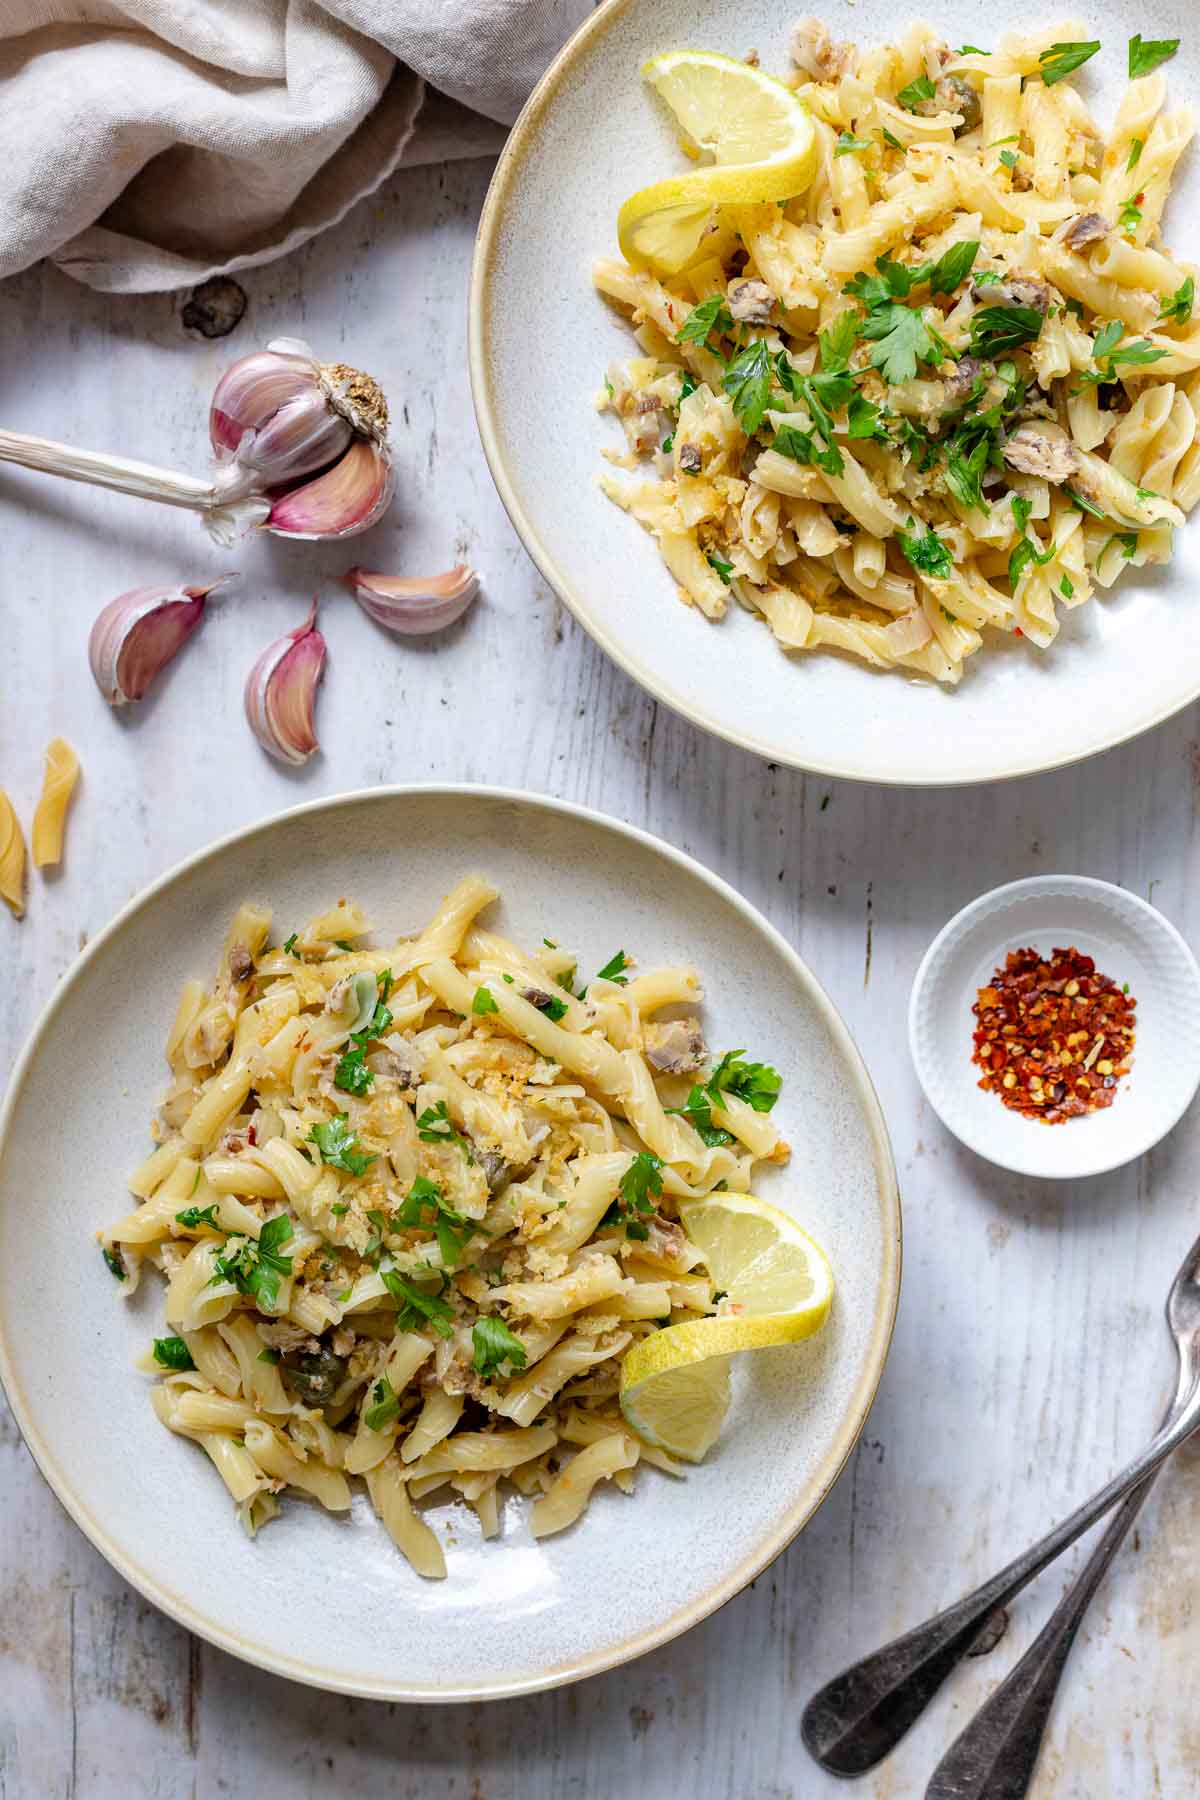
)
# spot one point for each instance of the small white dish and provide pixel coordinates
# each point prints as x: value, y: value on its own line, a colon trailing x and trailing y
x: 1130, y: 942
x: 326, y: 1599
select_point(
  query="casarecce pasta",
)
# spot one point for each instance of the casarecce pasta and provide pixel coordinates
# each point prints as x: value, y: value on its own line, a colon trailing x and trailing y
x: 950, y: 389
x: 413, y: 1205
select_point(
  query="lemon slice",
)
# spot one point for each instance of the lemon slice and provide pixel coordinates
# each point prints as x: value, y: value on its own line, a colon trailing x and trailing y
x: 779, y: 1287
x: 759, y: 134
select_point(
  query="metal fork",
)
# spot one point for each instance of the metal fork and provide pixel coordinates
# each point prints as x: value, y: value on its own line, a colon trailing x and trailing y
x: 864, y: 1712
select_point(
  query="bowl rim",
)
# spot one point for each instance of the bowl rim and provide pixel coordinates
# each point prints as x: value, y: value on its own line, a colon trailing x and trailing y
x: 508, y: 167
x: 1031, y: 884
x: 796, y: 1516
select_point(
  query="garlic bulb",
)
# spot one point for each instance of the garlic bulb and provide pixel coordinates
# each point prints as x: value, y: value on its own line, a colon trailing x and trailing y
x: 281, y: 692
x: 301, y: 450
x: 138, y: 633
x: 415, y: 604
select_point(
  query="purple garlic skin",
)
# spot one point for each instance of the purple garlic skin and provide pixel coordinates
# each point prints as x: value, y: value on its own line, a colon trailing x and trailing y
x: 281, y: 690
x: 309, y: 439
x: 412, y: 605
x: 138, y: 633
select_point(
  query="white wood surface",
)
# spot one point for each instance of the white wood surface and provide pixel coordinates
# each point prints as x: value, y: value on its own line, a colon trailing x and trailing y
x: 1030, y: 1356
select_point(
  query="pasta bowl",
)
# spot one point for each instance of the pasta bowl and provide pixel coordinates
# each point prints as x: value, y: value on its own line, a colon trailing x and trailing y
x: 513, y: 1614
x: 592, y: 133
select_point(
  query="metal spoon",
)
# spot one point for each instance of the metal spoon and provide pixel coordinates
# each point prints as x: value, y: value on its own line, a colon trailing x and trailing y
x: 864, y: 1712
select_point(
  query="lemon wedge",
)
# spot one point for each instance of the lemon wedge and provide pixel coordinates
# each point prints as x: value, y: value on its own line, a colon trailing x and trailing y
x: 761, y: 139
x: 779, y: 1285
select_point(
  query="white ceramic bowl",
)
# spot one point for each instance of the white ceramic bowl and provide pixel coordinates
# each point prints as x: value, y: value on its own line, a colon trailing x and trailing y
x: 328, y: 1600
x: 541, y: 338
x: 1131, y: 942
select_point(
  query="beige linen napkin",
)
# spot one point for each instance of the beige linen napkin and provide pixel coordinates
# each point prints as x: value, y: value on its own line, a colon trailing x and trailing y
x: 147, y: 144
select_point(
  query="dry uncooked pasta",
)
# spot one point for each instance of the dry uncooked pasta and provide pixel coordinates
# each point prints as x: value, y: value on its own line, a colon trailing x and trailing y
x: 951, y: 388
x: 50, y: 819
x: 413, y: 1205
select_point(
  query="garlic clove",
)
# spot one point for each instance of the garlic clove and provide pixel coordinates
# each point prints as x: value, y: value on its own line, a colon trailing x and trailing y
x: 138, y: 633
x: 281, y: 692
x: 253, y: 389
x: 346, y: 499
x: 415, y: 604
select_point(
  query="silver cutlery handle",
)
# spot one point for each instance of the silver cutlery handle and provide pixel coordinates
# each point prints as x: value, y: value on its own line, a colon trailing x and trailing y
x: 864, y: 1712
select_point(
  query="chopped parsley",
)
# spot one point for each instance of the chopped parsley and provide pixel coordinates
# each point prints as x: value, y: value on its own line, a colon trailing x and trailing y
x: 116, y: 1265
x: 1130, y: 215
x: 668, y: 443
x: 724, y: 569
x: 953, y: 268
x: 612, y: 970
x: 339, y: 1146
x: 495, y: 1344
x: 172, y: 1353
x: 888, y: 138
x: 1082, y: 505
x: 289, y: 945
x: 1178, y: 309
x: 352, y: 1074
x: 418, y: 1307
x: 1066, y: 587
x: 1128, y: 541
x: 1009, y: 158
x: 1145, y: 54
x: 995, y: 329
x: 637, y: 1190
x: 687, y: 385
x: 425, y: 1207
x: 1109, y: 353
x: 434, y: 1127
x: 1135, y: 154
x: 267, y: 1356
x: 195, y: 1216
x: 927, y: 553
x: 483, y: 1002
x: 747, y: 381
x: 698, y: 1112
x: 711, y: 315
x: 973, y: 50
x: 756, y: 1083
x: 551, y: 1005
x: 253, y: 1267
x: 384, y: 1407
x: 1061, y: 60
x: 864, y: 419
x: 916, y: 91
x: 964, y: 469
x: 847, y: 145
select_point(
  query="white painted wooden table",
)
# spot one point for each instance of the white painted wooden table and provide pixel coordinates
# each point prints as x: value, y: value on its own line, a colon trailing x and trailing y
x: 1030, y: 1357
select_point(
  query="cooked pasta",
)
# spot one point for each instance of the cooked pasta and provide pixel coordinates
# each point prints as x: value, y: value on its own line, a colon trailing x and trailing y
x: 414, y: 1205
x: 50, y: 819
x: 950, y: 389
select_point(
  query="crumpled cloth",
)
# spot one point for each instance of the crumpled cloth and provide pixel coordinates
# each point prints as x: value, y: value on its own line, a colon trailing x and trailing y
x: 149, y: 144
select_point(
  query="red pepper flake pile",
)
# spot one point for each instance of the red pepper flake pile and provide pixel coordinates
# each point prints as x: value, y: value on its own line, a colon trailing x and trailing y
x: 1054, y: 1037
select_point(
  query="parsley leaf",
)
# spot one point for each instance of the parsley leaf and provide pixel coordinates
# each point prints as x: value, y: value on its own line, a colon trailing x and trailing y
x: 116, y: 1265
x: 724, y: 569
x: 953, y: 267
x: 836, y: 342
x: 172, y: 1353
x: 804, y: 448
x: 638, y: 1187
x: 964, y: 469
x: 1128, y: 540
x: 863, y: 419
x: 927, y: 553
x: 711, y: 315
x: 418, y: 1305
x: 1108, y: 353
x: 687, y: 385
x: 352, y: 1074
x: 888, y: 138
x: 1066, y: 587
x: 846, y: 144
x: 756, y: 1083
x: 337, y: 1144
x: 193, y: 1216
x: 425, y: 1207
x: 1084, y: 506
x: 495, y: 1344
x: 1135, y: 154
x: 698, y: 1113
x: 254, y: 1268
x: 483, y: 1002
x: 289, y: 945
x: 916, y: 91
x: 995, y: 329
x: 747, y: 381
x: 384, y: 1407
x: 1061, y: 60
x: 1009, y: 158
x: 434, y: 1127
x: 1145, y: 54
x: 1130, y: 215
x: 973, y: 50
x: 1179, y: 307
x: 613, y: 967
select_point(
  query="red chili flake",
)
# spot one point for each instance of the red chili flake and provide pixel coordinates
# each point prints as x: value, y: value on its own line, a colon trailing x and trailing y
x: 1054, y: 1037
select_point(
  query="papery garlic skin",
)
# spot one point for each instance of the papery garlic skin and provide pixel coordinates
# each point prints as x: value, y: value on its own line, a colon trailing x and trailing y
x: 412, y: 605
x: 138, y: 633
x: 281, y: 691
